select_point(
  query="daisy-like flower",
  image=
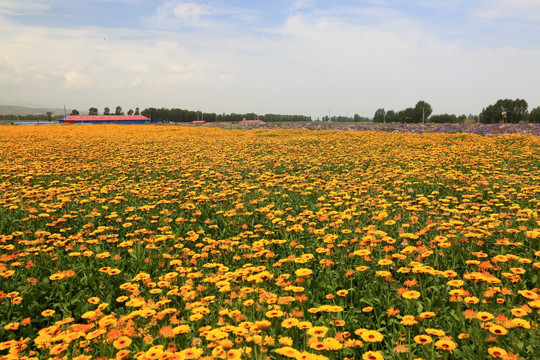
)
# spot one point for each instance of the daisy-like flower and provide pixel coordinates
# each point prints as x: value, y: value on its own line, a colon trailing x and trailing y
x: 423, y: 339
x: 372, y: 355
x: 497, y: 352
x: 446, y: 345
x: 372, y: 336
x: 411, y: 294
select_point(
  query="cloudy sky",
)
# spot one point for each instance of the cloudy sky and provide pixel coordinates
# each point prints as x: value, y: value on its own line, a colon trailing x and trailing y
x: 310, y: 57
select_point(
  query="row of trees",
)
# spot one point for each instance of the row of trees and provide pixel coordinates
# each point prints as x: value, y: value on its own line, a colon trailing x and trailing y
x: 418, y: 114
x: 107, y: 111
x: 507, y: 110
x: 48, y: 116
x: 503, y: 111
x: 181, y: 115
x: 355, y: 118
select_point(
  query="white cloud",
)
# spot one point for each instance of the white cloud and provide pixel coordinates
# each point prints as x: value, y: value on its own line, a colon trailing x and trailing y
x: 77, y: 80
x: 512, y: 10
x: 191, y: 11
x: 8, y: 7
x: 227, y: 77
x: 351, y: 60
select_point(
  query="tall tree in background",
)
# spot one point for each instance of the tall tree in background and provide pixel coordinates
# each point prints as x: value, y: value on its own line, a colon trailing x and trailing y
x: 75, y: 112
x: 118, y: 111
x: 422, y: 110
x: 130, y: 112
x: 107, y: 111
x: 92, y: 111
x: 380, y: 116
x: 137, y: 111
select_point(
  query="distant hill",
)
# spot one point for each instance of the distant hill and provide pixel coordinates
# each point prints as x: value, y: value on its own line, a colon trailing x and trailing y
x: 23, y: 110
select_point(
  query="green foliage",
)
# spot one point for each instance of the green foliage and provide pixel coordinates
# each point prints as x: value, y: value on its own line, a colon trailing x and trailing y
x: 534, y: 115
x: 443, y: 119
x: 379, y: 116
x: 516, y: 111
x: 422, y: 111
x: 418, y: 114
x: 181, y: 115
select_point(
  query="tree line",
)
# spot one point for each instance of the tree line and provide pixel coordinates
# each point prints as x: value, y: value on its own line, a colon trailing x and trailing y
x: 181, y: 115
x: 503, y: 111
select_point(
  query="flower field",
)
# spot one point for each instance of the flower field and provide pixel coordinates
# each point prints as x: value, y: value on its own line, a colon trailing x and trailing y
x: 148, y: 242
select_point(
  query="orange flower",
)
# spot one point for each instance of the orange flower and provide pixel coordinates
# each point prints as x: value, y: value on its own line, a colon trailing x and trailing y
x: 57, y: 276
x: 48, y: 312
x: 423, y: 339
x: 58, y: 349
x: 497, y: 330
x: 411, y: 294
x: 166, y: 332
x: 497, y: 352
x: 233, y: 354
x: 122, y: 342
x: 290, y: 322
x: 446, y: 345
x: 372, y: 355
x: 408, y: 320
x: 372, y: 336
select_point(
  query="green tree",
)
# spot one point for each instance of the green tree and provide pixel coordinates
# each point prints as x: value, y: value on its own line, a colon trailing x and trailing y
x: 422, y: 110
x: 406, y: 116
x: 137, y: 111
x: 515, y: 110
x: 106, y: 111
x: 75, y: 112
x: 48, y: 114
x: 92, y: 111
x: 380, y: 116
x: 534, y: 115
x: 130, y: 112
x: 443, y: 119
x: 118, y: 111
x: 391, y: 116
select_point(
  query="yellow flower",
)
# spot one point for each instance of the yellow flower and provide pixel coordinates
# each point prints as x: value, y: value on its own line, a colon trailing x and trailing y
x: 372, y: 336
x: 484, y: 316
x: 48, y: 313
x: 122, y: 342
x: 423, y: 339
x: 446, y: 345
x: 411, y: 294
x: 57, y: 276
x: 372, y: 355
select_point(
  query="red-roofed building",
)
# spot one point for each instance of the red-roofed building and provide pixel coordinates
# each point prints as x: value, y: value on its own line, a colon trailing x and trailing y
x: 106, y: 119
x: 244, y: 121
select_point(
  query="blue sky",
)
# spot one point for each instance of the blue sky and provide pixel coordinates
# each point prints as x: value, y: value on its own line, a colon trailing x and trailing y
x: 296, y: 57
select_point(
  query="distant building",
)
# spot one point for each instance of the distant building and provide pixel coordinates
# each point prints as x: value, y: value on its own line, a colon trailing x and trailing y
x: 106, y: 119
x: 244, y: 121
